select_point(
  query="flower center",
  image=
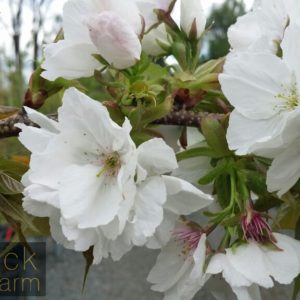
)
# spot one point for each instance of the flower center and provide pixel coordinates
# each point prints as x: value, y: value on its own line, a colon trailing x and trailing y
x: 290, y: 97
x: 111, y: 165
x: 189, y: 238
x: 256, y: 228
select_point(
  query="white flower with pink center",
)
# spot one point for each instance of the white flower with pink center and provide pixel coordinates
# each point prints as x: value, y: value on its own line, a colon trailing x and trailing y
x: 178, y: 271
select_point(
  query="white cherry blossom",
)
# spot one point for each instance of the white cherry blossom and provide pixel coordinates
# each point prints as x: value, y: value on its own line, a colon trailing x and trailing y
x: 178, y: 271
x: 262, y: 29
x: 97, y: 188
x: 93, y: 27
x: 264, y: 90
x: 253, y: 264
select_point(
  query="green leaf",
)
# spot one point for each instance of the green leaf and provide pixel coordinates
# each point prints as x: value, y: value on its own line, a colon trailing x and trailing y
x: 13, y: 208
x: 89, y: 258
x: 9, y: 185
x: 195, y: 152
x: 222, y: 188
x: 13, y: 168
x: 215, y: 136
x: 221, y: 168
x: 256, y: 182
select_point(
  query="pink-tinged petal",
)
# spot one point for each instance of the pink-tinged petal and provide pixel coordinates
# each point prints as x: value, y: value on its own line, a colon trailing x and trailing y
x: 115, y: 40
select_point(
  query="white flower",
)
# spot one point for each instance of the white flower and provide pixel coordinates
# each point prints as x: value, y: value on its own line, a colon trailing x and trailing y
x: 192, y: 19
x: 178, y: 271
x: 262, y: 29
x: 265, y: 91
x: 285, y: 169
x: 94, y: 27
x: 254, y: 264
x: 98, y: 190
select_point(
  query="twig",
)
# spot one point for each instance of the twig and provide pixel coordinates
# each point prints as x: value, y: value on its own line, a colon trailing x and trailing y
x: 182, y: 118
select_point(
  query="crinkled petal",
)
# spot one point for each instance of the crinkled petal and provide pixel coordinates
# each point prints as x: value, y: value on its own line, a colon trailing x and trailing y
x: 69, y: 60
x: 156, y: 157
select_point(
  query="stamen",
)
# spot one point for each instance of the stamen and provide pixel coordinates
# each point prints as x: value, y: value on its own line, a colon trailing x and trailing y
x: 290, y: 97
x: 111, y: 165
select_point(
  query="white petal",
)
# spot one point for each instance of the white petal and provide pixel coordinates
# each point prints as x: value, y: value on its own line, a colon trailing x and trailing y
x: 69, y: 60
x: 290, y: 47
x: 115, y: 40
x: 283, y: 265
x: 42, y: 120
x: 88, y: 200
x: 37, y: 208
x: 183, y: 197
x: 150, y: 198
x: 34, y: 139
x: 244, y: 32
x: 74, y: 15
x: 251, y: 83
x: 285, y: 170
x: 254, y: 270
x: 255, y: 136
x: 192, y: 10
x: 220, y: 263
x: 156, y: 157
x: 107, y: 135
x: 163, y: 232
x: 169, y: 268
x: 42, y: 194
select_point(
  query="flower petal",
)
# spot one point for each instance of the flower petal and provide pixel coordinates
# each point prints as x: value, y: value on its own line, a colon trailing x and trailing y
x: 115, y: 39
x: 62, y: 60
x: 183, y: 197
x: 88, y: 200
x: 156, y: 157
x: 251, y: 83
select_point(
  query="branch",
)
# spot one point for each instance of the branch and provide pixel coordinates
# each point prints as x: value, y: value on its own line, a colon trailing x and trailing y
x: 181, y: 118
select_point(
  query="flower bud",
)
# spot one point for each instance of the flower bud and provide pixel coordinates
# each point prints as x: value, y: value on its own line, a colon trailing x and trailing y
x: 115, y: 40
x: 193, y: 20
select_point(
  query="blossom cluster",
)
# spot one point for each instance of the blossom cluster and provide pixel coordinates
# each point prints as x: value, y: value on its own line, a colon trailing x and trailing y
x: 107, y: 179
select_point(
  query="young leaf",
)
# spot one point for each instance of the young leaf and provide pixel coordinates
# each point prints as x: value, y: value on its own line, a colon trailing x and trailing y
x: 195, y: 152
x: 213, y: 174
x: 89, y: 257
x: 215, y: 136
x: 9, y: 185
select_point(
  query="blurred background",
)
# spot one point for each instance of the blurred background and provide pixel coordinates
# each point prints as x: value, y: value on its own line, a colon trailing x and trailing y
x: 25, y: 26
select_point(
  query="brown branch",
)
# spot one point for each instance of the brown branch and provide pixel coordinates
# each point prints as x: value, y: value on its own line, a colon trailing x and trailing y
x: 182, y: 118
